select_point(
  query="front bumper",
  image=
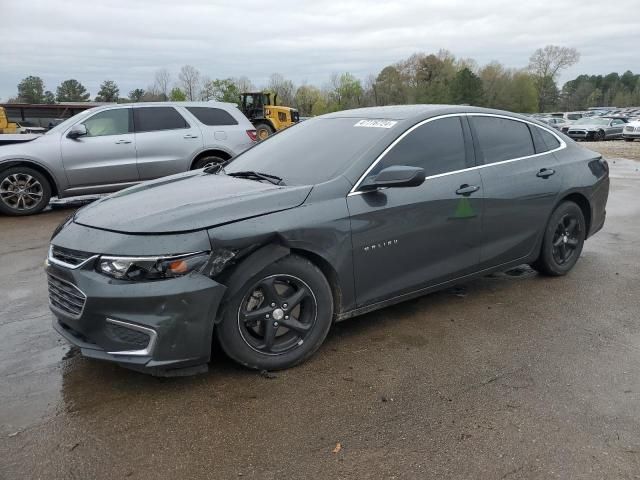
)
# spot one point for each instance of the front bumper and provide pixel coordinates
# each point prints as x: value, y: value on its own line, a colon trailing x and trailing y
x: 157, y: 326
x: 581, y: 134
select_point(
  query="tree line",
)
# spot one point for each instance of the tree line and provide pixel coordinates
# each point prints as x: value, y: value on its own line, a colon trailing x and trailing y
x: 422, y: 78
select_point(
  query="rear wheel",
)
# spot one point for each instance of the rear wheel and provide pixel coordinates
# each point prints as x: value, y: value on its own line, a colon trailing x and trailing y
x: 263, y: 130
x: 279, y: 318
x: 563, y: 241
x: 23, y: 191
x: 206, y: 161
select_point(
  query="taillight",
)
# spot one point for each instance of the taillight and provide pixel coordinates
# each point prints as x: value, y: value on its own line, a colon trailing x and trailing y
x: 253, y: 135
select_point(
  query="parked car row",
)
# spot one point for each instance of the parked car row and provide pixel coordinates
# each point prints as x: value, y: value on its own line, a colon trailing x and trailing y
x: 108, y: 148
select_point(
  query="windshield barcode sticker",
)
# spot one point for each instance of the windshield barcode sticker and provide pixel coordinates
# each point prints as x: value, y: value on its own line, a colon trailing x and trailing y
x: 376, y: 123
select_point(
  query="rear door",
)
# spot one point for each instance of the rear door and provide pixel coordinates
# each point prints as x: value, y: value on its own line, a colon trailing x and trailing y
x: 520, y: 184
x: 221, y: 130
x: 408, y: 238
x: 106, y: 155
x: 165, y: 142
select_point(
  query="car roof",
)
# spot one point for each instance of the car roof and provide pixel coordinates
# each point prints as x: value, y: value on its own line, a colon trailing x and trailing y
x: 210, y: 104
x: 416, y: 112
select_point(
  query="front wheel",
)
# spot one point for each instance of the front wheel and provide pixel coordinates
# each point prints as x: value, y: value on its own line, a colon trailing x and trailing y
x: 563, y: 241
x: 279, y: 318
x: 23, y: 191
x: 628, y: 139
x: 599, y: 136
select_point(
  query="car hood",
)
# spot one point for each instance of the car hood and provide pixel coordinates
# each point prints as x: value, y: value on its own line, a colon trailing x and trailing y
x: 587, y: 127
x: 188, y: 202
x: 17, y: 138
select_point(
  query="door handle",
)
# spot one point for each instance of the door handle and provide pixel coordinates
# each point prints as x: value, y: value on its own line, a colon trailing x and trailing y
x: 467, y: 189
x: 545, y: 172
x: 120, y: 142
x: 188, y: 135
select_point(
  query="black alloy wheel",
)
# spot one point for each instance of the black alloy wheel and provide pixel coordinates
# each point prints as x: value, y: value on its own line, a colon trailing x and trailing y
x: 562, y: 241
x: 279, y: 317
x: 566, y: 239
x: 277, y: 314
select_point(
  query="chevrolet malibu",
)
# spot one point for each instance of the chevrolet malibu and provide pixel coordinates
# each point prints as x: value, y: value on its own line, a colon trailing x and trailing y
x: 335, y: 217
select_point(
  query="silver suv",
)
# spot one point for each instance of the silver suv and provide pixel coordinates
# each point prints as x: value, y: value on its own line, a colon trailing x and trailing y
x: 108, y: 148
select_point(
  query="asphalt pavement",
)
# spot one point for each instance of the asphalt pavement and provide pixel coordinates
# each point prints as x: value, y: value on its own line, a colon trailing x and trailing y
x: 510, y: 376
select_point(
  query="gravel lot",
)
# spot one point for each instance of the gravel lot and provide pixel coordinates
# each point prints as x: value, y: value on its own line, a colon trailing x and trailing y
x: 511, y: 376
x: 616, y: 149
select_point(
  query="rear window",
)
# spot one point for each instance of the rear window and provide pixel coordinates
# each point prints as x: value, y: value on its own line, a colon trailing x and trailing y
x: 212, y: 116
x: 149, y: 119
x: 502, y: 139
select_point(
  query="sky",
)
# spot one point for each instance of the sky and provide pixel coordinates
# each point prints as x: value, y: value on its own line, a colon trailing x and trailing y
x: 306, y: 41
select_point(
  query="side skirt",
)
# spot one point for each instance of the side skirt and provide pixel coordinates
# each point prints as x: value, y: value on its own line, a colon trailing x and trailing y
x: 430, y: 289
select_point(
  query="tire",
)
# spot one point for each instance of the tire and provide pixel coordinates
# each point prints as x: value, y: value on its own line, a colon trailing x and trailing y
x: 23, y: 191
x: 206, y: 161
x: 562, y: 242
x: 599, y: 136
x: 628, y: 139
x: 261, y: 303
x: 263, y: 130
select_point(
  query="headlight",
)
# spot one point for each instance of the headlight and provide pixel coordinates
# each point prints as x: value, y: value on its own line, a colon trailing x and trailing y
x: 151, y: 268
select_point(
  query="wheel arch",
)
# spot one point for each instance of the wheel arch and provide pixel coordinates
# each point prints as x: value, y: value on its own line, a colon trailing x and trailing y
x: 329, y: 272
x: 55, y: 191
x: 582, y: 202
x: 264, y: 255
x: 210, y: 152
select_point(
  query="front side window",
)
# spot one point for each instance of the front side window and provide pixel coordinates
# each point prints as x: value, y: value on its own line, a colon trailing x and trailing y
x: 502, y: 139
x: 212, y: 116
x: 109, y: 122
x: 149, y: 119
x: 437, y: 147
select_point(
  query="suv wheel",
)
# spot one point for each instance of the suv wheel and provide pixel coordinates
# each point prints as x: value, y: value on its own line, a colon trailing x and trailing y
x: 563, y: 241
x: 206, y: 161
x: 279, y: 318
x: 23, y: 191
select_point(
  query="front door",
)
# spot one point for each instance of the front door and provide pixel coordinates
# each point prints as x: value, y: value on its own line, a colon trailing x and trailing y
x: 106, y: 155
x: 408, y: 238
x: 165, y: 141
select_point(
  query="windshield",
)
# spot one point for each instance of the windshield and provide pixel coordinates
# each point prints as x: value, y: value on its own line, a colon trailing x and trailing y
x: 70, y: 121
x: 311, y: 152
x: 592, y: 121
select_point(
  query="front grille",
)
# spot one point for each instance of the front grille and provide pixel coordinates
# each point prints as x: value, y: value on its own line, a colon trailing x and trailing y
x: 70, y: 257
x: 133, y: 339
x: 577, y: 132
x: 66, y: 297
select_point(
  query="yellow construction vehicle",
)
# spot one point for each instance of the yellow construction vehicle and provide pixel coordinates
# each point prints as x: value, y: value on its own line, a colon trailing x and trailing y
x: 267, y: 117
x: 5, y: 125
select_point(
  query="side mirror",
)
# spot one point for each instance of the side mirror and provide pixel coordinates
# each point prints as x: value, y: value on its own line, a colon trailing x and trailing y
x: 396, y: 176
x: 78, y: 130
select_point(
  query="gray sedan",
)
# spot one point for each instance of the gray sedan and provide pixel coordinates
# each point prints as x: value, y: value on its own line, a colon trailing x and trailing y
x: 108, y: 148
x: 596, y: 128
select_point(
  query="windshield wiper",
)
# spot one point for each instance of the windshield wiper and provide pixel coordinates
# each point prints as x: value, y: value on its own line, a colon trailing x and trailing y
x: 251, y: 175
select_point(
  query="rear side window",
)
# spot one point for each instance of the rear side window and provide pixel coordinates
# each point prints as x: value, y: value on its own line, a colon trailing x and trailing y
x: 549, y: 140
x: 212, y: 116
x: 149, y: 119
x: 502, y: 139
x: 437, y: 147
x: 109, y: 122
